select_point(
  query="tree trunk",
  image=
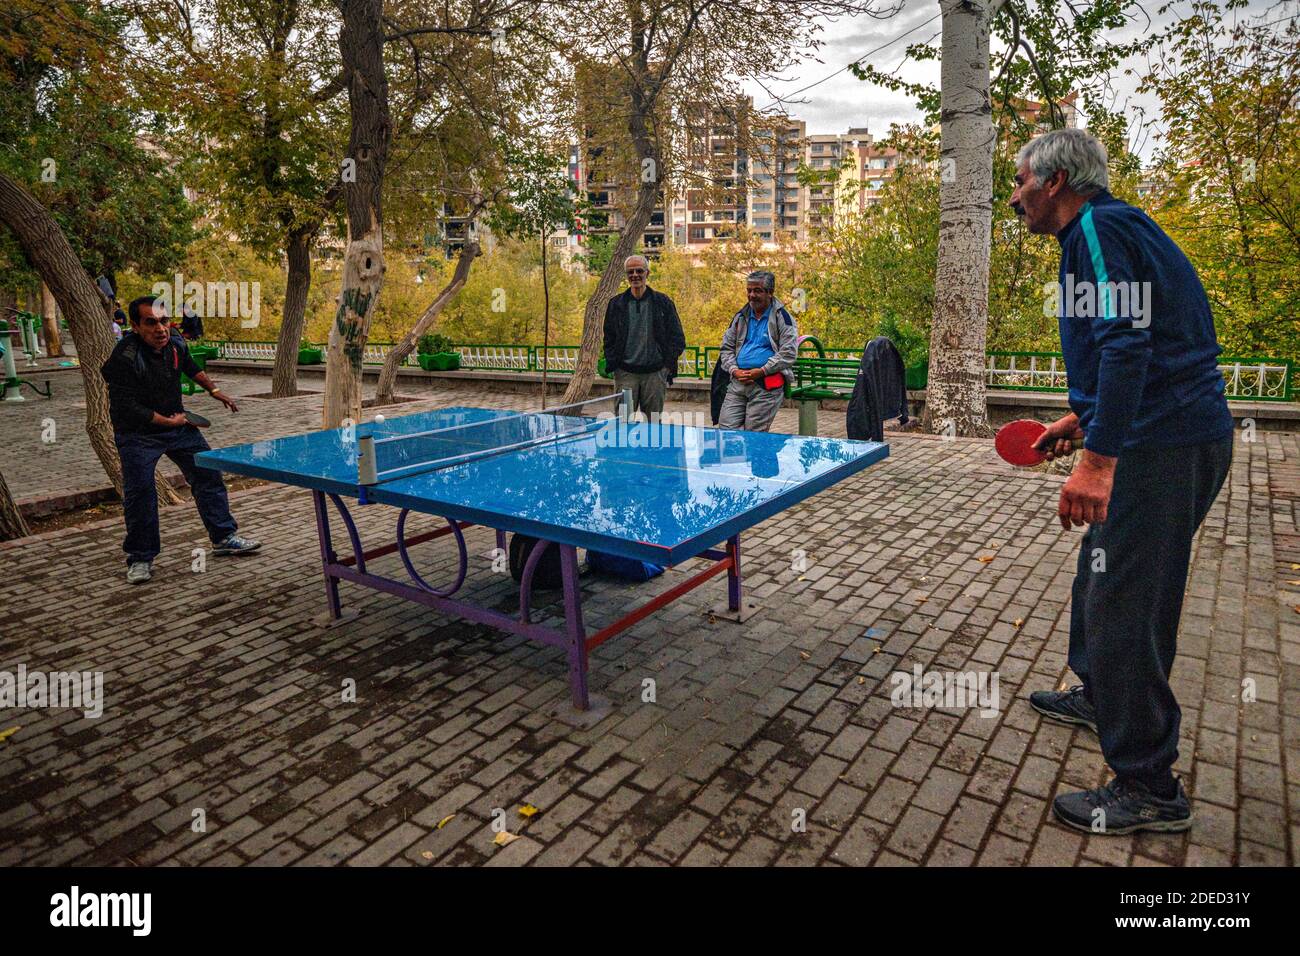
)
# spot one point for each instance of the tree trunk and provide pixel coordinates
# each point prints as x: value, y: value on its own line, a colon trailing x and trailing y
x: 361, y: 44
x: 284, y: 376
x: 546, y: 321
x: 50, y: 321
x: 397, y: 356
x: 82, y: 304
x: 643, y: 92
x: 955, y: 396
x: 12, y: 524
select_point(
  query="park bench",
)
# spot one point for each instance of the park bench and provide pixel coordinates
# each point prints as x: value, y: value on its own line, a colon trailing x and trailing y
x: 816, y: 378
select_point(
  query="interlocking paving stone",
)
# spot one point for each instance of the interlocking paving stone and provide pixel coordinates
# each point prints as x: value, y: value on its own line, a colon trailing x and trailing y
x: 230, y: 699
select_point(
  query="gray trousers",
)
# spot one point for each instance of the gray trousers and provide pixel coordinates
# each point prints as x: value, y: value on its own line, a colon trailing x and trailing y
x: 648, y: 390
x: 750, y: 406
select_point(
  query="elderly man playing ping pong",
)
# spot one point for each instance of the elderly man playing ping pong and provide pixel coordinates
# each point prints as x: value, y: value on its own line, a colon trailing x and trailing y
x: 144, y: 402
x: 1147, y: 398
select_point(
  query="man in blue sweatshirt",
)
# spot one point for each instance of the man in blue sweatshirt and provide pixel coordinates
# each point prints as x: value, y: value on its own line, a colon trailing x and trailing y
x: 1147, y: 398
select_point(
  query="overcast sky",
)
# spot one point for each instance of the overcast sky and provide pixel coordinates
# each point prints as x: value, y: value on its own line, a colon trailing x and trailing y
x: 843, y: 100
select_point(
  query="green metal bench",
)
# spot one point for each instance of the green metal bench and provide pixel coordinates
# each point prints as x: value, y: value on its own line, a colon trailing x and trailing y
x: 817, y: 378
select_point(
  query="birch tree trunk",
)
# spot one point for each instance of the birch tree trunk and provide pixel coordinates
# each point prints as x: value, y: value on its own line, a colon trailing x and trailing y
x: 361, y: 44
x: 955, y: 401
x: 397, y: 356
x: 284, y: 376
x: 50, y: 323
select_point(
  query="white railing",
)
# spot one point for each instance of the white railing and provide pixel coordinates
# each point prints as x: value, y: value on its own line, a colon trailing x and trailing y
x: 254, y: 351
x: 1025, y: 371
x: 1255, y: 379
x: 560, y: 358
x: 506, y: 358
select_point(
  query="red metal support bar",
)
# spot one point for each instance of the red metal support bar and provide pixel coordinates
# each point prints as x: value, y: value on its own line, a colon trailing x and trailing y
x: 390, y: 548
x: 672, y: 594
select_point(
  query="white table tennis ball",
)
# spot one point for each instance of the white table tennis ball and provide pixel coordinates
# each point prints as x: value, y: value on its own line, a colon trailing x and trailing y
x: 379, y: 419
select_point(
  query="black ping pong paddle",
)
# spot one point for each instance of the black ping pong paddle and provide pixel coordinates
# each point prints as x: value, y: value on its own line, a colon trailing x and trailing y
x: 197, y: 420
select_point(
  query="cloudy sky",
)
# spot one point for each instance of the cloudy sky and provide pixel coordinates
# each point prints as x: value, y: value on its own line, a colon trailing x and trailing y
x: 841, y: 101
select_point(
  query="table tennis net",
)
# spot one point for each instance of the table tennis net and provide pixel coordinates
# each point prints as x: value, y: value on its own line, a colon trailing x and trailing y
x: 400, y: 456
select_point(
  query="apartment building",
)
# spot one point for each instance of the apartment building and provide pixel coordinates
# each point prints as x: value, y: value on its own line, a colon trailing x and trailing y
x: 604, y: 163
x: 776, y: 207
x: 824, y: 154
x: 714, y: 200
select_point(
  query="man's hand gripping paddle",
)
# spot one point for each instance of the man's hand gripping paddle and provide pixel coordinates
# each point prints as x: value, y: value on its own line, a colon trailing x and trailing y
x: 1016, y: 443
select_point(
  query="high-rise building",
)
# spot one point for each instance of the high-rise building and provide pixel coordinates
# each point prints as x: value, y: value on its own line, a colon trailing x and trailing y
x: 865, y: 171
x: 606, y: 168
x: 714, y: 204
x: 824, y: 154
x: 776, y: 207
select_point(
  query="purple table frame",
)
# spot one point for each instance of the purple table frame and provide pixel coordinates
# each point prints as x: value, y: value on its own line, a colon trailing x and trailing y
x: 573, y: 639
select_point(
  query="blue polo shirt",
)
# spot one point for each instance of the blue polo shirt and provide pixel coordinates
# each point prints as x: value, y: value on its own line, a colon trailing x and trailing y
x: 757, y: 349
x: 1137, y: 334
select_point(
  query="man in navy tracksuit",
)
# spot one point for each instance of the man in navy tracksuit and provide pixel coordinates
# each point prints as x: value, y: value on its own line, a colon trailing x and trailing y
x: 1147, y: 398
x: 143, y: 373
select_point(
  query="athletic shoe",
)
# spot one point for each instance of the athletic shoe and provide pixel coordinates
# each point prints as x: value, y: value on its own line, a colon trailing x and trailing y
x: 138, y: 572
x: 1066, y: 706
x: 1124, y: 806
x: 234, y: 544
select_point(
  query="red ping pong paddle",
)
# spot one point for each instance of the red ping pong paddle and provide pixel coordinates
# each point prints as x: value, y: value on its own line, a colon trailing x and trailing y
x: 197, y: 420
x: 1015, y: 442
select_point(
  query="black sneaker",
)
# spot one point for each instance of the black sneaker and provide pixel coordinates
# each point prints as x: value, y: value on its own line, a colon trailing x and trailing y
x: 1065, y: 706
x: 1124, y: 806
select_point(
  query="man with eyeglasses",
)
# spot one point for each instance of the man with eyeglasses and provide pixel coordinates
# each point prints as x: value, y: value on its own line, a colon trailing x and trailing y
x: 144, y: 402
x: 643, y: 339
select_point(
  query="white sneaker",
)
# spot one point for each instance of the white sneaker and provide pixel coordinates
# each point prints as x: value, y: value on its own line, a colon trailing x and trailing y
x: 138, y: 572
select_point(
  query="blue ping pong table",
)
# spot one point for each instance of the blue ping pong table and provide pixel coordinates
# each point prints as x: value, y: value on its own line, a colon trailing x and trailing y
x: 658, y: 492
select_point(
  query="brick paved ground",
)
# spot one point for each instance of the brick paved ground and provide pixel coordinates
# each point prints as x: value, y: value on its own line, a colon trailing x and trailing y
x: 222, y: 694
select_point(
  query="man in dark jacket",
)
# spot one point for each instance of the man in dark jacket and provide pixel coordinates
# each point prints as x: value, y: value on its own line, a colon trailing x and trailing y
x: 643, y: 339
x: 144, y: 394
x: 1147, y: 398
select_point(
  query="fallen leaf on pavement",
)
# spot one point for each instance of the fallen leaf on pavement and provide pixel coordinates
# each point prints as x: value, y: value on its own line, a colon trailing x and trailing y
x: 6, y: 734
x: 445, y: 820
x: 527, y: 810
x: 505, y: 838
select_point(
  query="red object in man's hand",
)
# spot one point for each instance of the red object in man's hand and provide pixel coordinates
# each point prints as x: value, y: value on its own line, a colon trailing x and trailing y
x: 1017, y: 442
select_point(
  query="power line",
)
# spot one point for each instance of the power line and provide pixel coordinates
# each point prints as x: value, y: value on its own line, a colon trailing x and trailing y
x: 854, y: 63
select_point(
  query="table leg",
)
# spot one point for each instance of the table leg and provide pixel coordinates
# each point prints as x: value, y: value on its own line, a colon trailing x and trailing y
x: 733, y: 574
x: 327, y: 555
x: 574, y: 627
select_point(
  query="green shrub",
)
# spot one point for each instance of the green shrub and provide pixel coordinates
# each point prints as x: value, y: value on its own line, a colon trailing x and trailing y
x: 431, y: 344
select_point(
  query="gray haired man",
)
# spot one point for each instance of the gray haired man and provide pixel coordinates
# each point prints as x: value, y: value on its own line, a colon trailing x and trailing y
x: 1147, y: 398
x: 643, y: 339
x: 758, y: 352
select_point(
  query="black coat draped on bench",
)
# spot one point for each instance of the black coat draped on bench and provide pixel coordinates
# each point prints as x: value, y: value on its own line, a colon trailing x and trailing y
x: 880, y: 392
